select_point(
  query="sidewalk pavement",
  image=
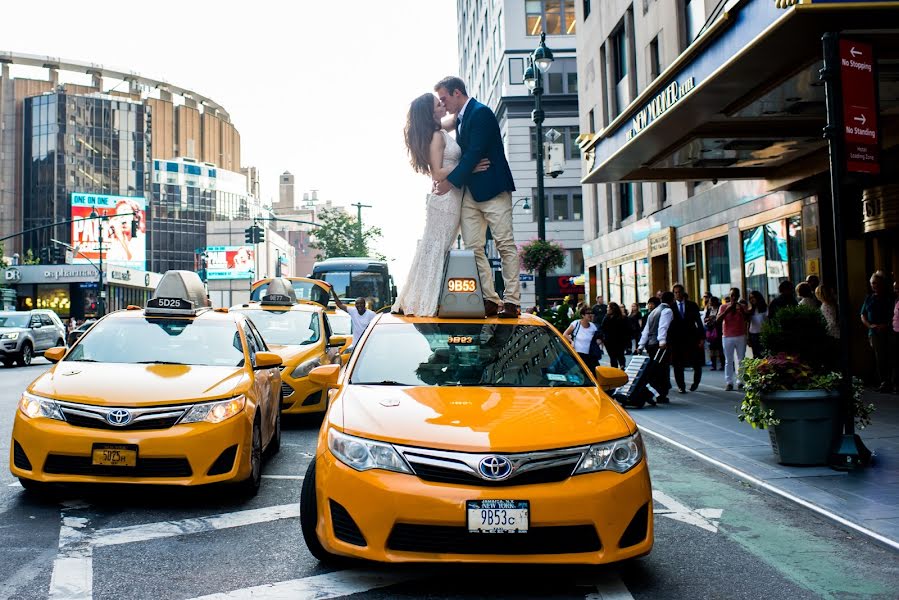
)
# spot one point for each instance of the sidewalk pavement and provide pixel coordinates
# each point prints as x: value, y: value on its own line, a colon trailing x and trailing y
x: 705, y: 423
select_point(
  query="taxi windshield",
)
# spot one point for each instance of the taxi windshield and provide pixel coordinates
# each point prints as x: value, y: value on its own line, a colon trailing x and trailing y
x: 285, y: 327
x: 14, y: 319
x: 467, y: 354
x: 161, y: 341
x: 341, y: 324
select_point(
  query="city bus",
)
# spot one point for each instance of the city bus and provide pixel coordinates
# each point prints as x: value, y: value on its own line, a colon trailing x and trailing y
x: 357, y: 277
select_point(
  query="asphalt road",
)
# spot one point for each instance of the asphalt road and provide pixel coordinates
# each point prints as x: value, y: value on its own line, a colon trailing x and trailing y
x: 715, y: 537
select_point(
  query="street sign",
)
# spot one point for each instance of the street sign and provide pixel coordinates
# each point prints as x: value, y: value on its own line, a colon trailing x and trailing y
x: 860, y: 109
x: 525, y: 277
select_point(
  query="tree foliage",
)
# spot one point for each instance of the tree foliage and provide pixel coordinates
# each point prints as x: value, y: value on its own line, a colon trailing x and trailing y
x: 339, y: 236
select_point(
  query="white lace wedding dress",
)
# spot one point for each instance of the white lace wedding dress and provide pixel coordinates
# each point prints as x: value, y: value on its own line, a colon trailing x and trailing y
x: 422, y: 289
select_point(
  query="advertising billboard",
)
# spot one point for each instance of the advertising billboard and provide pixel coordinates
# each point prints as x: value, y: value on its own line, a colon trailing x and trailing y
x: 124, y: 231
x: 230, y: 262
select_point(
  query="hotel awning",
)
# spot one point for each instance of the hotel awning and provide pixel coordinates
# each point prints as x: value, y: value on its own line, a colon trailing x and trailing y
x: 744, y: 100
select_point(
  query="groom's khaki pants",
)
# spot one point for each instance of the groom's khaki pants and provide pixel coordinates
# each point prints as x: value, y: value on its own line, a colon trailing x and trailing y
x: 497, y: 213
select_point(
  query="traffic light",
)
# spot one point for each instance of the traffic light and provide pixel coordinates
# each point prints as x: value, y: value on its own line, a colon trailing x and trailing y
x: 260, y: 234
x: 250, y: 234
x: 58, y: 253
x: 45, y: 256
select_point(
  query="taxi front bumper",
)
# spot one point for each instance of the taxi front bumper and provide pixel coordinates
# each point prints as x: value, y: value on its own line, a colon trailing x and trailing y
x: 51, y: 451
x: 394, y: 517
x: 300, y: 396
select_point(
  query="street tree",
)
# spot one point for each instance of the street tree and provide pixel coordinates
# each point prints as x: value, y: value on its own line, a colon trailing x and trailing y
x: 340, y: 234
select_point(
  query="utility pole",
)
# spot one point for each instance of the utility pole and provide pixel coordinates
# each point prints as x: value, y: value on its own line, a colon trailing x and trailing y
x: 359, y: 206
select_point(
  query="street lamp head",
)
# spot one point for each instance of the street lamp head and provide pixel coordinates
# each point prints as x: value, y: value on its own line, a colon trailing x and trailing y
x: 94, y: 214
x: 530, y: 76
x: 543, y: 56
x: 526, y: 208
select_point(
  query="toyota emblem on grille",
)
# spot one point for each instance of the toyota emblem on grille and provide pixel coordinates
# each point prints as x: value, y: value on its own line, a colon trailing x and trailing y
x: 118, y: 417
x: 495, y: 467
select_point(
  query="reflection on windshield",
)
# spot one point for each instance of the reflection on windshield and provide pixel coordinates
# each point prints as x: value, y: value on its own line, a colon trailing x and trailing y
x: 285, y: 327
x: 341, y: 324
x: 150, y: 341
x: 14, y: 320
x: 468, y: 354
x: 303, y: 289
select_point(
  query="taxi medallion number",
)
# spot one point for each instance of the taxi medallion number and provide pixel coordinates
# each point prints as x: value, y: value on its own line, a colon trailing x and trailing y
x: 497, y: 516
x: 462, y: 284
x: 114, y: 456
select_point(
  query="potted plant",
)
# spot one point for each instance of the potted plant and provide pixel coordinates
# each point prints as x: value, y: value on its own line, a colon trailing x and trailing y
x: 541, y: 254
x: 793, y: 391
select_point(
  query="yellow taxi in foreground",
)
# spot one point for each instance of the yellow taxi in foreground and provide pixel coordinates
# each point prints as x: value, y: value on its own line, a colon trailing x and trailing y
x: 475, y: 440
x: 301, y: 335
x: 171, y: 394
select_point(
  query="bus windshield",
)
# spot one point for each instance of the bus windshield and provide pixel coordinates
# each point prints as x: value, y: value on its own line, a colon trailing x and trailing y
x: 349, y: 285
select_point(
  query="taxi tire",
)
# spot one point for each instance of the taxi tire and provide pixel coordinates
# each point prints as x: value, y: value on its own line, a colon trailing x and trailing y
x: 309, y: 518
x: 25, y: 356
x: 249, y: 487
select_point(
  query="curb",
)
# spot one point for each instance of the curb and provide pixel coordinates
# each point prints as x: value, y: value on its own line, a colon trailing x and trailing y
x: 877, y: 537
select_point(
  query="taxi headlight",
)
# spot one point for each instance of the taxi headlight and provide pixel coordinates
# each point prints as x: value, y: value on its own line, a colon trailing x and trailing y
x: 618, y: 455
x: 13, y: 335
x: 215, y: 412
x: 362, y: 454
x: 303, y: 369
x: 34, y: 406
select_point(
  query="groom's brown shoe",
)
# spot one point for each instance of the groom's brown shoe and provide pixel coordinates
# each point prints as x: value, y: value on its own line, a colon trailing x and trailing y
x: 509, y: 311
x: 490, y: 308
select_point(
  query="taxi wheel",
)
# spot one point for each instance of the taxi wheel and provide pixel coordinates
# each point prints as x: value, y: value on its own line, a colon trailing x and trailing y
x: 249, y: 487
x: 309, y: 518
x: 25, y: 355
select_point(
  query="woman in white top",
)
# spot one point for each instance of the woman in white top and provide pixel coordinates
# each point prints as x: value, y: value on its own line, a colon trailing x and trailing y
x: 757, y: 317
x: 580, y: 333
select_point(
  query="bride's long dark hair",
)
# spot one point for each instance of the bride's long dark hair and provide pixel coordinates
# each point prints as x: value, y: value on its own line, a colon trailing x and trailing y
x: 420, y: 128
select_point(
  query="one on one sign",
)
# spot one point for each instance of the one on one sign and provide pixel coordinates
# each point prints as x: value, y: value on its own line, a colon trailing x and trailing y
x: 860, y: 132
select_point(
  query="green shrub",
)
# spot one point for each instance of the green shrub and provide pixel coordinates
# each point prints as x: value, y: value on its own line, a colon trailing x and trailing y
x: 802, y: 332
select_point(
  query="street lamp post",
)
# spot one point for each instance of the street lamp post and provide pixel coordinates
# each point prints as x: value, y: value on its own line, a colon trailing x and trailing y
x: 101, y: 302
x: 538, y: 63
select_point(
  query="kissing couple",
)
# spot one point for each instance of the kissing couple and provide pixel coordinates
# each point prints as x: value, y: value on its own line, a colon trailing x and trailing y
x: 471, y: 188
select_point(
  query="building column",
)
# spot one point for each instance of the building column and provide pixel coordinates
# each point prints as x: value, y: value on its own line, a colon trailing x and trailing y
x: 614, y: 193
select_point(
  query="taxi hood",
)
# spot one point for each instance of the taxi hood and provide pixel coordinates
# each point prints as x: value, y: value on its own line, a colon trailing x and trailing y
x: 482, y: 419
x: 290, y: 353
x: 131, y: 385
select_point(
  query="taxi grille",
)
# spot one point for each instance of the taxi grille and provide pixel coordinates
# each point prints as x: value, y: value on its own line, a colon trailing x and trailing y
x: 19, y: 458
x: 286, y: 390
x: 567, y: 539
x: 61, y: 464
x: 443, y: 475
x: 345, y: 528
x: 156, y: 417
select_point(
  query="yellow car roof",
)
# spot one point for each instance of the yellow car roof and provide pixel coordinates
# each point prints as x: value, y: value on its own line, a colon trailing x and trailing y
x: 307, y: 307
x: 523, y: 319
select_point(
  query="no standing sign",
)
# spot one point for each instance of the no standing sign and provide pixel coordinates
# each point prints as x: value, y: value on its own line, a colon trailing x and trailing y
x: 860, y: 132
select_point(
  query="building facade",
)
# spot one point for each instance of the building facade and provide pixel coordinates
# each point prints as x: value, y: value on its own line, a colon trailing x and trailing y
x: 703, y: 158
x: 495, y: 39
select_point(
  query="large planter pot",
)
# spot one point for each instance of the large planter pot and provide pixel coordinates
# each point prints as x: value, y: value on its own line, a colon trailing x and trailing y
x: 809, y: 425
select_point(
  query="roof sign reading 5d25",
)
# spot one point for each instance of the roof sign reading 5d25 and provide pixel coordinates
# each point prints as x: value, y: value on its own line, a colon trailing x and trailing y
x: 860, y: 109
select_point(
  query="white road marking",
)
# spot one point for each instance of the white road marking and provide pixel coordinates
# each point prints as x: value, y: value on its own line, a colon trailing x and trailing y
x: 73, y: 568
x: 283, y: 476
x: 163, y: 529
x: 704, y: 518
x: 610, y: 587
x: 317, y: 587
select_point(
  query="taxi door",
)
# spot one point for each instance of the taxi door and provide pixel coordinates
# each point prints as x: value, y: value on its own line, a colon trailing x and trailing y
x: 264, y: 382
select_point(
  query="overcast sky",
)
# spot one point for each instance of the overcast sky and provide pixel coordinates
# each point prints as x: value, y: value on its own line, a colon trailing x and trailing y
x: 319, y: 89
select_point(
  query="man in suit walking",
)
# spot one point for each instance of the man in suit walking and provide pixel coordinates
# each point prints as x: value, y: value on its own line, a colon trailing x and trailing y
x: 487, y: 198
x: 686, y: 339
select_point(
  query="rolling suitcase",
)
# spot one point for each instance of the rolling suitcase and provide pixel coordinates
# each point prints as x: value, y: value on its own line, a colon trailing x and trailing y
x: 637, y: 391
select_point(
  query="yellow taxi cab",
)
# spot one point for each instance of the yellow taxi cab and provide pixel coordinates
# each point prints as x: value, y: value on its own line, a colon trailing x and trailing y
x: 475, y: 440
x: 176, y: 393
x: 342, y: 325
x: 301, y: 335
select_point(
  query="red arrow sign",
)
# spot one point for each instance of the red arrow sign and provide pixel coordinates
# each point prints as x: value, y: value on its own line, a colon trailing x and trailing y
x: 860, y: 133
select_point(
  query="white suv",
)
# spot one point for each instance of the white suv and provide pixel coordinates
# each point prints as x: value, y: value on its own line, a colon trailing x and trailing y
x: 26, y: 333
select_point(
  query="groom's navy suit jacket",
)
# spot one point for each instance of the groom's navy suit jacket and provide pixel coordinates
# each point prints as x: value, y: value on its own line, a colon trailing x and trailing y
x: 480, y: 138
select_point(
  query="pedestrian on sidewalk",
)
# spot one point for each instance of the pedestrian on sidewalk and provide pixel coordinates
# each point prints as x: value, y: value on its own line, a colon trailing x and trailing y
x: 599, y: 311
x: 877, y: 317
x: 806, y: 295
x: 616, y: 334
x: 785, y: 298
x: 581, y: 333
x: 655, y: 338
x: 636, y: 321
x: 758, y: 313
x: 828, y: 300
x: 713, y: 332
x: 686, y: 339
x: 733, y: 317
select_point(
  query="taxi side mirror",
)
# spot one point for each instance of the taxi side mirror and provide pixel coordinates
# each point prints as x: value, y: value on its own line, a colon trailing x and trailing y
x: 54, y: 355
x: 267, y: 360
x: 609, y: 378
x: 336, y: 341
x: 325, y: 375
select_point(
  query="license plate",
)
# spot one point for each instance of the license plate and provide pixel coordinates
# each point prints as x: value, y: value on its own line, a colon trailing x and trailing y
x: 114, y: 456
x: 497, y: 516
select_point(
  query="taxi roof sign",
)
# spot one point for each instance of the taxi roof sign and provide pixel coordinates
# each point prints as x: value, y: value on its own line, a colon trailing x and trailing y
x: 280, y: 292
x: 461, y: 294
x: 178, y: 293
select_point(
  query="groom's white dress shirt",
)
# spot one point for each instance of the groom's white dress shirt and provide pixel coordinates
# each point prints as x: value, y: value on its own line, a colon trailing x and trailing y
x: 459, y: 116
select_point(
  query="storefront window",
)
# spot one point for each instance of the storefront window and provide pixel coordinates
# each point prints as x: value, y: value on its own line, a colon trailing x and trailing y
x: 629, y: 283
x: 55, y: 298
x: 717, y: 260
x: 642, y: 281
x: 615, y: 284
x: 797, y: 255
x: 771, y: 254
x: 694, y: 273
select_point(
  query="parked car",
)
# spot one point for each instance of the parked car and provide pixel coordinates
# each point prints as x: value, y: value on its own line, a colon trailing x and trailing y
x: 76, y: 333
x: 26, y: 333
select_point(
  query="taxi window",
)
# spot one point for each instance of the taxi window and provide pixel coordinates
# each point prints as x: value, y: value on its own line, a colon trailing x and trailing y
x: 285, y: 327
x: 160, y: 340
x: 260, y: 342
x: 341, y: 324
x: 467, y: 354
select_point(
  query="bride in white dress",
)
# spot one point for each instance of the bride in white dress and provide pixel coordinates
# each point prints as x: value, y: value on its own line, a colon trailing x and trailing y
x: 432, y: 152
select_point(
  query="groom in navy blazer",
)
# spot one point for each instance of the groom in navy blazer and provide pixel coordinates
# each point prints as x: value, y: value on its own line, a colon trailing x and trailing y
x: 487, y: 196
